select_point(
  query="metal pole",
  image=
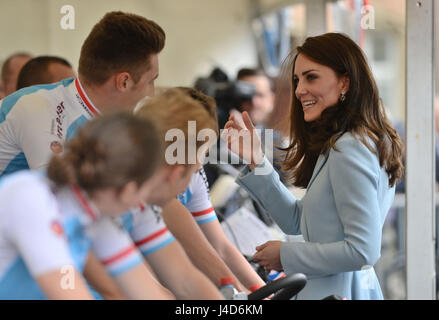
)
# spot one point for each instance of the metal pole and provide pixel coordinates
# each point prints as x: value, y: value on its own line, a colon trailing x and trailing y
x: 420, y: 133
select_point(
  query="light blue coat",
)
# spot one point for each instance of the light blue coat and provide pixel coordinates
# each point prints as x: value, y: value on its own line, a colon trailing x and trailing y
x: 340, y: 217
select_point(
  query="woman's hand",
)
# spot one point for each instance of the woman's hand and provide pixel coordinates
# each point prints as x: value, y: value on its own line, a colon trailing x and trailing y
x: 268, y: 255
x: 242, y: 139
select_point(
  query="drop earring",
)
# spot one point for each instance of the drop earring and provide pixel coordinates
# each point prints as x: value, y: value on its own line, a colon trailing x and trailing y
x: 342, y: 96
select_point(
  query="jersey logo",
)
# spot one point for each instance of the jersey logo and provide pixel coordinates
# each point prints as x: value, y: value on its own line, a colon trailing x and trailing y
x: 157, y: 212
x: 206, y: 182
x: 56, y: 147
x: 57, y: 228
x: 59, y: 119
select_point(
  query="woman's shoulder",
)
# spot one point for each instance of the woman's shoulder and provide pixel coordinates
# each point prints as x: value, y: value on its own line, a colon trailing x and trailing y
x: 351, y: 146
x: 351, y: 140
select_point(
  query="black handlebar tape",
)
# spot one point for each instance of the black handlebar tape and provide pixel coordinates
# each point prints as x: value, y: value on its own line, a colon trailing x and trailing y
x: 290, y: 284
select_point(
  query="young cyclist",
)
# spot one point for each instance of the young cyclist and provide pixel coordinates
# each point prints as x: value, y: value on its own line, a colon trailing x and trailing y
x: 201, y: 245
x: 36, y: 121
x: 165, y: 255
x: 48, y: 224
x: 109, y: 77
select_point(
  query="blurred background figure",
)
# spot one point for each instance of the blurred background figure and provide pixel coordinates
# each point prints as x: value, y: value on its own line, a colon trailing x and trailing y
x: 2, y: 90
x: 261, y: 104
x: 10, y: 70
x: 43, y: 70
x: 260, y: 108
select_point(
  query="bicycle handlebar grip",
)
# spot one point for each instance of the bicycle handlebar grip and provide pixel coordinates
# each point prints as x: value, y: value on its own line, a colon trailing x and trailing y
x: 289, y: 286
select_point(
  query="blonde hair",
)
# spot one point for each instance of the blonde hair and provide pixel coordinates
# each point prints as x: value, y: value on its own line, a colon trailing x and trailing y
x: 173, y: 109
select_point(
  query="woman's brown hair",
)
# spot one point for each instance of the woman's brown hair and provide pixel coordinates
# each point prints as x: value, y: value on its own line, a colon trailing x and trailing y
x: 362, y: 112
x: 108, y: 152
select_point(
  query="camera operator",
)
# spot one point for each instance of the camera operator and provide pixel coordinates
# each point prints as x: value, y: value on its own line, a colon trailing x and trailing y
x: 229, y: 95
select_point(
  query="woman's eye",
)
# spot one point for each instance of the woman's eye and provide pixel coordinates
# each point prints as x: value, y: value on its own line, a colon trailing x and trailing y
x: 311, y: 77
x: 296, y: 81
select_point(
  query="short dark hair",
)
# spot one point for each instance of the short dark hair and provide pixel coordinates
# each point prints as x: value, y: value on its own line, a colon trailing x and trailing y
x: 252, y: 72
x: 36, y: 71
x: 119, y: 42
x: 5, y: 68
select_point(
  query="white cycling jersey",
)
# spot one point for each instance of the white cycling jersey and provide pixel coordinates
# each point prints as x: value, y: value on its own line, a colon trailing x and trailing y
x: 147, y: 229
x: 145, y: 223
x: 42, y: 230
x: 196, y: 198
x: 36, y: 121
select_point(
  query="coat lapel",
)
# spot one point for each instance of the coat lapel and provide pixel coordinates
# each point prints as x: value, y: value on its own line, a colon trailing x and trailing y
x: 321, y: 160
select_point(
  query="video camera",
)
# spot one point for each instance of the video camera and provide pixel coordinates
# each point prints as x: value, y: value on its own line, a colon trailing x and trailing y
x: 227, y: 94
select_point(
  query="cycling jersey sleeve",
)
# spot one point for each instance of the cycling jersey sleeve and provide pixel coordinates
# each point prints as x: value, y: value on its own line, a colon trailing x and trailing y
x: 113, y: 246
x: 34, y: 129
x: 32, y: 223
x: 199, y: 204
x: 149, y: 231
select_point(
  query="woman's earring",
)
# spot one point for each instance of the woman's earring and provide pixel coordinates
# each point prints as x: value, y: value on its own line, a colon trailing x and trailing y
x: 342, y: 96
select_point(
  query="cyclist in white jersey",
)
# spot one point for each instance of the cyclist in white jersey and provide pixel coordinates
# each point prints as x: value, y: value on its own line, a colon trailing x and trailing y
x: 177, y: 218
x: 196, y: 199
x: 105, y: 82
x: 148, y: 229
x: 207, y: 242
x: 48, y: 225
x: 157, y: 244
x: 36, y: 121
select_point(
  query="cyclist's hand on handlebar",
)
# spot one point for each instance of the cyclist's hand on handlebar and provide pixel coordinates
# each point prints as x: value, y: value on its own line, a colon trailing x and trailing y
x: 242, y: 139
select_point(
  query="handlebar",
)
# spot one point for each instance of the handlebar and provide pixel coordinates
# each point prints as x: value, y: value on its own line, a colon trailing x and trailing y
x: 289, y: 286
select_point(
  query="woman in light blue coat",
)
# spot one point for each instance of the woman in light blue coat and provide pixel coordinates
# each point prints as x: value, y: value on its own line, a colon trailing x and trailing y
x: 347, y: 155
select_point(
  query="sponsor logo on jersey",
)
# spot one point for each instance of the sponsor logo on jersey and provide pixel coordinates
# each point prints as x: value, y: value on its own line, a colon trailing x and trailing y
x: 57, y: 228
x: 206, y: 182
x: 157, y: 212
x: 56, y: 147
x: 59, y: 119
x: 81, y: 102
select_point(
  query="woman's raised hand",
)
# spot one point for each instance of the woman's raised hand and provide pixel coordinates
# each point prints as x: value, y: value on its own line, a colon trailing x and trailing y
x: 242, y: 139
